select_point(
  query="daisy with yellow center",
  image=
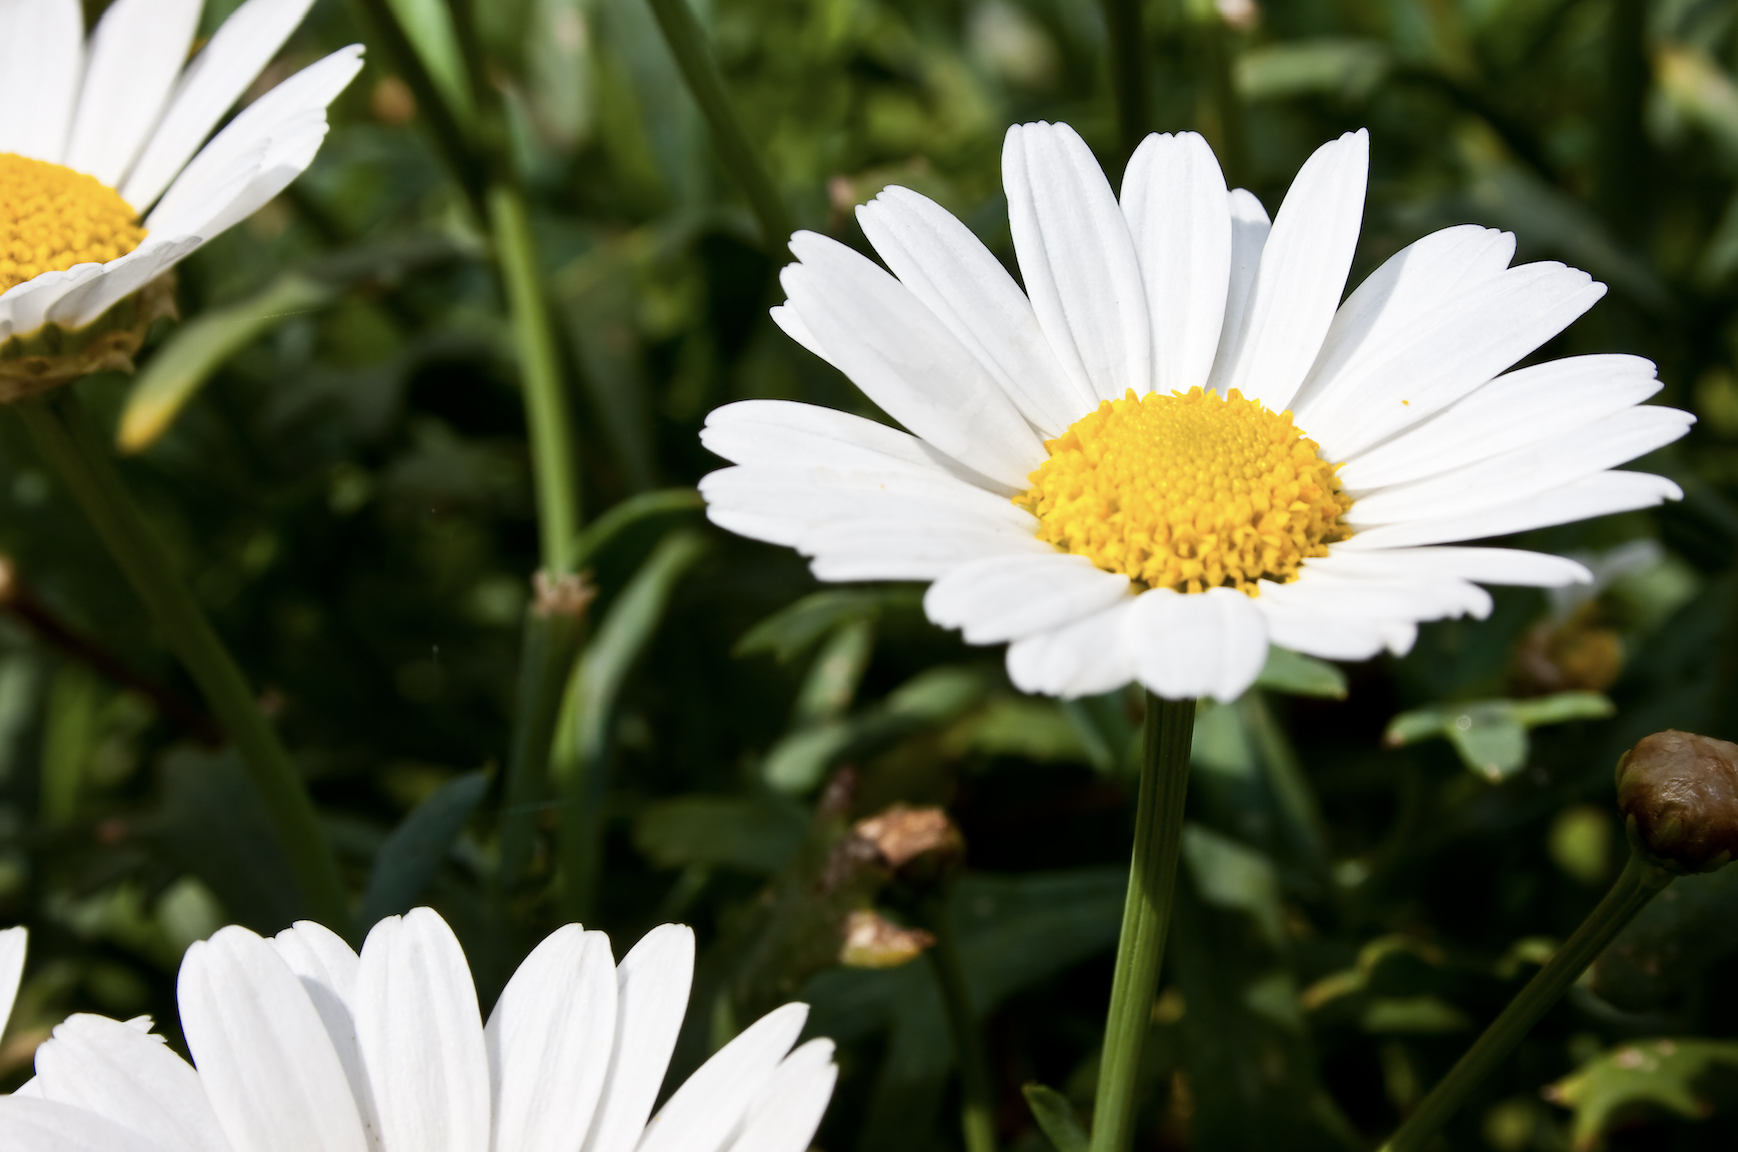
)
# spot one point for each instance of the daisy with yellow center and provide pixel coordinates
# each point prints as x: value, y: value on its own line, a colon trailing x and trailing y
x: 1176, y: 445
x: 104, y: 185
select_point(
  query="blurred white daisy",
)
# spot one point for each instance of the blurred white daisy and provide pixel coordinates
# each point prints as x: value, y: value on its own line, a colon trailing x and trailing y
x: 12, y: 945
x: 1105, y: 470
x: 299, y: 1045
x: 94, y: 135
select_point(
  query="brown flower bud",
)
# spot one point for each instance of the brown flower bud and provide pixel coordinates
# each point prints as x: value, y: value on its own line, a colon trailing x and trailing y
x: 1678, y: 793
x: 919, y: 845
x: 873, y: 941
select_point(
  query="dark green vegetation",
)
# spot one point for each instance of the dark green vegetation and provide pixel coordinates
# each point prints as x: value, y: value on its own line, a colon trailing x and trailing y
x: 349, y: 492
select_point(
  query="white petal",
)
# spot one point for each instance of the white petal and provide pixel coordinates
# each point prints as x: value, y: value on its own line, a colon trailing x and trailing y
x: 652, y: 985
x: 1179, y: 216
x: 13, y: 944
x: 1078, y: 260
x: 263, y: 1055
x: 1303, y: 271
x: 421, y: 1037
x: 1485, y: 565
x: 1197, y: 644
x: 1086, y: 658
x: 1405, y: 295
x: 1525, y: 472
x: 790, y: 1108
x: 1006, y: 597
x: 1512, y: 411
x: 1344, y: 590
x: 270, y: 134
x: 131, y: 1078
x: 136, y: 53
x: 879, y: 334
x: 958, y: 279
x: 788, y: 433
x: 24, y: 307
x: 1601, y: 494
x: 30, y: 1124
x: 1306, y: 627
x: 705, y: 1111
x: 41, y: 61
x: 784, y: 505
x: 1460, y: 346
x: 234, y: 57
x: 120, y: 278
x: 549, y: 1041
x: 902, y: 550
x: 1249, y: 231
x: 327, y: 968
x: 786, y: 318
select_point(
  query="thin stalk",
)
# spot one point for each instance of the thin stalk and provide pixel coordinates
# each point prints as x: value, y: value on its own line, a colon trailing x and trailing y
x: 72, y: 447
x: 546, y: 659
x: 1128, y: 71
x: 450, y: 139
x: 977, y: 1092
x: 735, y: 151
x: 1170, y: 727
x: 1217, y: 43
x: 554, y: 456
x: 1638, y: 884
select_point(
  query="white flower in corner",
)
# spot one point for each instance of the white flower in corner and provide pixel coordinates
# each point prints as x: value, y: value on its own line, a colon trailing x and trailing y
x: 95, y: 135
x: 1176, y: 445
x: 299, y: 1045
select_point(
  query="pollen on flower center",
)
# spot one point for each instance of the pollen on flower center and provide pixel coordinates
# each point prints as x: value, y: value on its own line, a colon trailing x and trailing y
x: 1189, y: 492
x: 52, y: 218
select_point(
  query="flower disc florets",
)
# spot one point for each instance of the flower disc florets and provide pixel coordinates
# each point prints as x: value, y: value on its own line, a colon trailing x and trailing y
x: 1188, y: 491
x: 52, y: 218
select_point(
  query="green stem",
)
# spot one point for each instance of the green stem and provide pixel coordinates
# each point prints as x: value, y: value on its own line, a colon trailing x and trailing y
x: 554, y: 457
x: 72, y: 447
x: 977, y: 1093
x: 384, y: 31
x: 735, y: 151
x: 1233, y: 141
x: 1128, y: 71
x: 1170, y: 727
x: 1640, y: 882
x: 546, y: 659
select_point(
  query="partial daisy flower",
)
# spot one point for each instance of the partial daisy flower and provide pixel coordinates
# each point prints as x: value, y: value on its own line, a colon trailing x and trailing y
x: 299, y: 1045
x: 13, y: 942
x: 94, y: 135
x: 1177, y: 446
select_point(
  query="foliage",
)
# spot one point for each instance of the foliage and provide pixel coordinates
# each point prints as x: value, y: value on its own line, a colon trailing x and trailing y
x: 334, y: 451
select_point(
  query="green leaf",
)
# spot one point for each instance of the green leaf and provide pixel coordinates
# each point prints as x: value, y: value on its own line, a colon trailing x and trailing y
x: 1491, y: 735
x: 1300, y: 675
x: 791, y: 631
x: 630, y: 513
x: 1034, y: 728
x: 833, y: 678
x: 1328, y: 66
x: 1230, y: 875
x: 755, y: 834
x: 412, y: 854
x: 200, y: 347
x: 1056, y: 1118
x: 428, y: 24
x: 1686, y: 1077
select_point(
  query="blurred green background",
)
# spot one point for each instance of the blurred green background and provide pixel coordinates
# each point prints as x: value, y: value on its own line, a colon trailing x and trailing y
x: 1377, y: 856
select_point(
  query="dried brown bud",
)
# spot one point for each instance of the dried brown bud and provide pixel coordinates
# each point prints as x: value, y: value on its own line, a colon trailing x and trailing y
x: 1678, y: 793
x: 902, y: 835
x: 872, y: 941
x: 567, y: 595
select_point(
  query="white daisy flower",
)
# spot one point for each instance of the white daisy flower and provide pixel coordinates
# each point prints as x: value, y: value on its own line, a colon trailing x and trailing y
x: 299, y: 1045
x: 12, y: 945
x: 1177, y: 446
x: 94, y: 134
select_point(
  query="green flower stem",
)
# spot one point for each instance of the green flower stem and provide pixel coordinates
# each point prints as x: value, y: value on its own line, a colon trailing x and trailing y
x: 735, y: 151
x: 554, y: 456
x: 977, y: 1093
x: 1640, y: 882
x: 1170, y: 728
x: 1128, y: 71
x: 546, y: 659
x: 72, y: 447
x: 1218, y: 41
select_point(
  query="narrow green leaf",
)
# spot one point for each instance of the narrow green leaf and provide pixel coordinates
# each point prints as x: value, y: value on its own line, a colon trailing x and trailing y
x: 1055, y: 1117
x: 635, y: 510
x: 196, y: 350
x: 754, y: 834
x: 412, y: 854
x: 428, y: 25
x: 792, y: 630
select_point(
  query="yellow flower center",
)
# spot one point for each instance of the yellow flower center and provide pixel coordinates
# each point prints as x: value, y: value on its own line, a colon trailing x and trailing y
x: 1189, y: 492
x: 52, y: 218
